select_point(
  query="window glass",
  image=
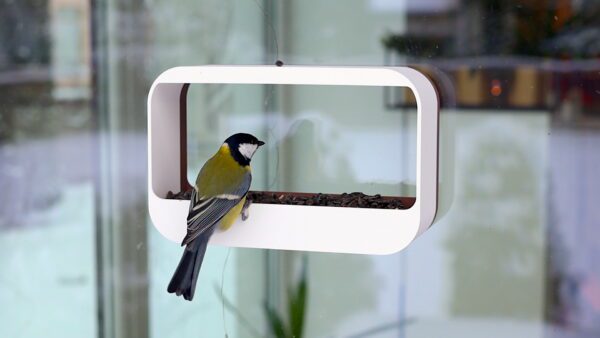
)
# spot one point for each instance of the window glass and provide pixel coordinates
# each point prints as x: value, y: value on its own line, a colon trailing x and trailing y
x: 513, y: 249
x: 315, y: 139
x: 47, y: 166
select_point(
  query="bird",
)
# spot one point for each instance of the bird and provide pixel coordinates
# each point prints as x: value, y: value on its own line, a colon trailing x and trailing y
x: 217, y: 199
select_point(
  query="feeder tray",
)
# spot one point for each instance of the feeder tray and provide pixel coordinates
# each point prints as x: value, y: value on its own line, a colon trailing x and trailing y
x: 348, y: 223
x: 345, y: 200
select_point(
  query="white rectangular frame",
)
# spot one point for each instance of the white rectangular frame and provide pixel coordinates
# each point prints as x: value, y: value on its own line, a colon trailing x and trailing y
x: 292, y: 227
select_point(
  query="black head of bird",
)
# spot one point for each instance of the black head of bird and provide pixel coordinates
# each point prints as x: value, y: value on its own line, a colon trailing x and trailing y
x: 243, y: 146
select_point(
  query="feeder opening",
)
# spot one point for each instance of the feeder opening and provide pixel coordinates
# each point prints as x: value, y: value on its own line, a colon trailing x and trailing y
x: 340, y: 146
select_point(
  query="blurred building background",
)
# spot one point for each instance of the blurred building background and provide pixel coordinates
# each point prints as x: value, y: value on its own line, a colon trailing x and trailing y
x: 513, y: 251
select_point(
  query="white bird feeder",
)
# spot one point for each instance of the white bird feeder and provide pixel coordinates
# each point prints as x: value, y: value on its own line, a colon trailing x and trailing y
x: 291, y: 227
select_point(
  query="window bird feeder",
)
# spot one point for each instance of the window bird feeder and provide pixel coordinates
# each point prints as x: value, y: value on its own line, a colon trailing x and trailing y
x: 291, y: 227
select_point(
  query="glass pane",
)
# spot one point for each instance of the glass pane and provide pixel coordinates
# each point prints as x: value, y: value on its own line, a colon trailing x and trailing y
x: 513, y: 249
x: 319, y: 141
x: 47, y: 205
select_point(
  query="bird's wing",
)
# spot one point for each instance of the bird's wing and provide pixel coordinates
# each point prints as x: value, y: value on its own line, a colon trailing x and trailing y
x: 205, y: 212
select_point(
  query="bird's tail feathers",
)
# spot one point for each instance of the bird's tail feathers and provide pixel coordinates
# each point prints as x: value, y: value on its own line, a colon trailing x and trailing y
x: 184, y: 279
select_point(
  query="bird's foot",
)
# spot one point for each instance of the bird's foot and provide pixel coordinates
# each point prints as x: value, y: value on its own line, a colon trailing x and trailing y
x: 245, y: 211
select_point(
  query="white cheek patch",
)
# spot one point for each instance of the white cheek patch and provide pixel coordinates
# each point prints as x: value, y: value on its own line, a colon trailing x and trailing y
x: 247, y: 149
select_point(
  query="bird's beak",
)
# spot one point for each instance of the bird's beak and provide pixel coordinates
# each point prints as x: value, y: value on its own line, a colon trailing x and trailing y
x: 260, y: 143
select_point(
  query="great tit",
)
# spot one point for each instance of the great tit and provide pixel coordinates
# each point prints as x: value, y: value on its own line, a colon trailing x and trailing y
x: 217, y: 199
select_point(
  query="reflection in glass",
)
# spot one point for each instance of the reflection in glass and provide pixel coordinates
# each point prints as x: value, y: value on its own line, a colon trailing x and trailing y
x: 47, y: 204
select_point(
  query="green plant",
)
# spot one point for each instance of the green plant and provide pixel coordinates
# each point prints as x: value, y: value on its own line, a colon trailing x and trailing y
x: 296, y: 307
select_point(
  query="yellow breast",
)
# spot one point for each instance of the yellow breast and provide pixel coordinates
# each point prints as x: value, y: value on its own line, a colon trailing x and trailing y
x: 220, y: 174
x: 228, y: 220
